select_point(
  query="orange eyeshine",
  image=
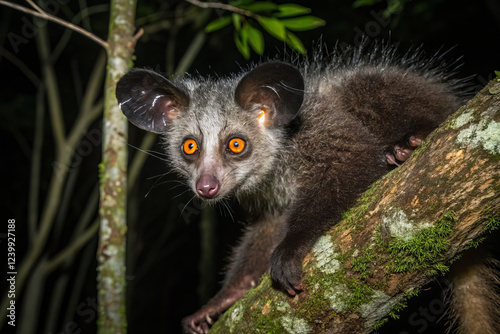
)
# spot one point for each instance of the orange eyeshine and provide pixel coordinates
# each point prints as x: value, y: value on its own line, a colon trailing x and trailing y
x: 190, y: 146
x: 236, y: 145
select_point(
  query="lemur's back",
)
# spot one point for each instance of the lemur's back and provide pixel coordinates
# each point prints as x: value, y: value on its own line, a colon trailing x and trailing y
x: 349, y: 118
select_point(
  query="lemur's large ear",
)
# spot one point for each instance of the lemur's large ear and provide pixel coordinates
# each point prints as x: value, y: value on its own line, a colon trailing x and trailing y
x: 149, y: 100
x: 275, y: 87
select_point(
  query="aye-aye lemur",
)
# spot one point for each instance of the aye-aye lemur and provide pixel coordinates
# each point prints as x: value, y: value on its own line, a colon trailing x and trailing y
x: 295, y: 144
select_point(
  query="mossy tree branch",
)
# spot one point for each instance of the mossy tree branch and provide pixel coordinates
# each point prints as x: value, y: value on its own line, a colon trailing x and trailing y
x: 403, y: 232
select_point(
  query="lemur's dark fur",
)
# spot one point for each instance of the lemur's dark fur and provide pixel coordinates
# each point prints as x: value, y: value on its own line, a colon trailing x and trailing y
x: 294, y: 144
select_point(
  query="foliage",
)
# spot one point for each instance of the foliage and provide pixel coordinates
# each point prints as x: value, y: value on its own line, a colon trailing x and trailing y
x: 277, y: 20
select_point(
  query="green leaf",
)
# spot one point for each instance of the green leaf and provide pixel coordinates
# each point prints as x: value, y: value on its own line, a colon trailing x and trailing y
x: 256, y: 40
x: 273, y: 26
x: 240, y: 3
x: 494, y: 91
x: 236, y: 21
x: 303, y: 23
x: 218, y: 24
x: 291, y: 9
x: 260, y: 6
x: 295, y: 43
x: 393, y: 8
x: 241, y: 41
x: 497, y: 73
x: 363, y: 3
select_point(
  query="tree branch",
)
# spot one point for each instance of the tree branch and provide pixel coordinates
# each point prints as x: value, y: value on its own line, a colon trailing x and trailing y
x: 52, y: 88
x: 40, y: 13
x: 80, y: 16
x: 404, y: 232
x: 73, y: 247
x: 217, y: 5
x: 36, y: 159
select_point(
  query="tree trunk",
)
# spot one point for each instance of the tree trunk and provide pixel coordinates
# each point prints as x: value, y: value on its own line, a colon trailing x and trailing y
x: 113, y: 175
x: 402, y: 233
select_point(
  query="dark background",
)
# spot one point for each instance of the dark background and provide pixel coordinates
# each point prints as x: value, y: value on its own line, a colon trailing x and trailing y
x: 164, y: 244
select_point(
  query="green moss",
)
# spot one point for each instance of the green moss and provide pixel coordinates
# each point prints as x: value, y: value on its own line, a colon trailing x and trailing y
x: 379, y: 240
x: 336, y: 291
x: 277, y: 319
x: 475, y: 243
x: 235, y: 315
x: 493, y: 221
x: 424, y: 250
x: 361, y: 293
x: 396, y: 309
x: 102, y: 171
x: 413, y: 293
x: 316, y: 303
x: 267, y: 324
x: 361, y: 263
x: 419, y: 149
x: 380, y: 323
x: 355, y: 215
x: 328, y: 292
x: 492, y: 224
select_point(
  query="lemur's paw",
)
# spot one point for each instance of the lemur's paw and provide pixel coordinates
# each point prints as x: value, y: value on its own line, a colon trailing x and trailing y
x: 286, y: 269
x: 400, y: 152
x: 199, y: 322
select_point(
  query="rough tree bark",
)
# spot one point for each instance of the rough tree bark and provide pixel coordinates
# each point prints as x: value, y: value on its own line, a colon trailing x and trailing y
x: 113, y: 175
x: 403, y: 232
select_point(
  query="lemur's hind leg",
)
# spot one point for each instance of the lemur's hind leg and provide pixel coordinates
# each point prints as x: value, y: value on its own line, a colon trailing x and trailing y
x: 399, y: 152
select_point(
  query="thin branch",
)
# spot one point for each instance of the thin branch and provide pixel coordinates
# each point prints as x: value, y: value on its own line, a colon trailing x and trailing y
x: 36, y: 159
x: 85, y: 12
x: 216, y: 5
x: 34, y: 5
x: 139, y: 159
x: 21, y: 66
x: 73, y: 247
x: 136, y: 37
x: 59, y: 174
x: 52, y: 87
x: 94, y: 83
x: 65, y: 38
x: 191, y: 53
x: 57, y: 20
x: 62, y: 164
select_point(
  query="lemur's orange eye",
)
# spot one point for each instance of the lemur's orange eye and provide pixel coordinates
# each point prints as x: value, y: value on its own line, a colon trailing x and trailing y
x: 190, y: 146
x: 236, y: 145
